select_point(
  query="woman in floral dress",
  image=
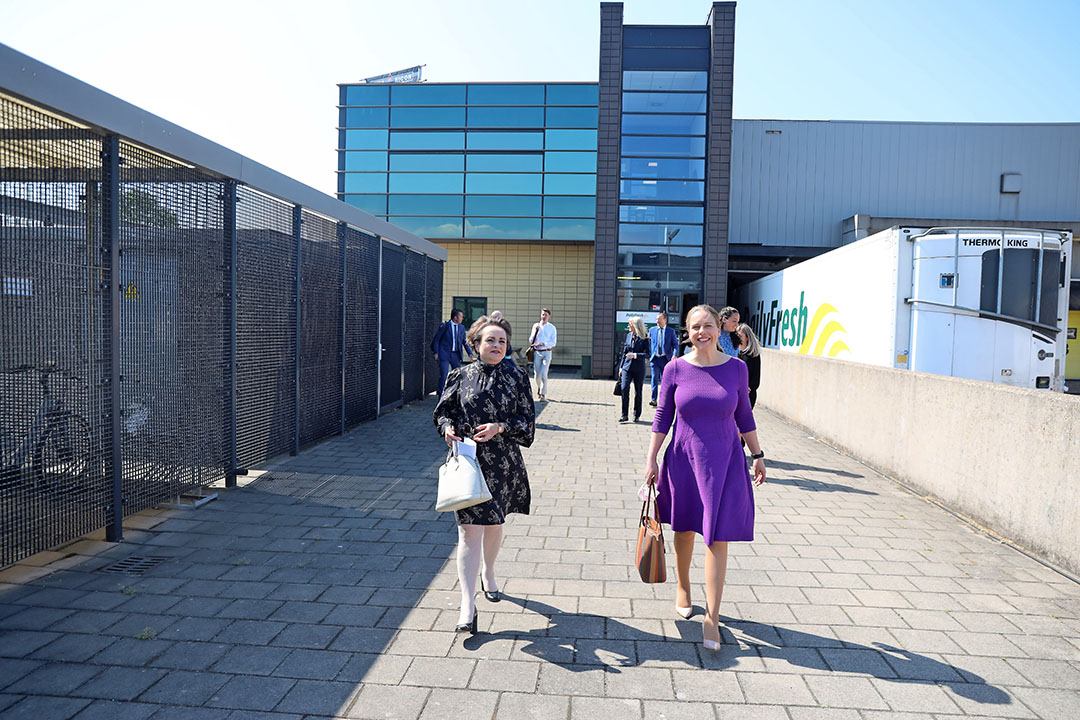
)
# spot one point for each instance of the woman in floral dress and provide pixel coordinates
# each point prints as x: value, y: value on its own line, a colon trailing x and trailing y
x: 491, y: 402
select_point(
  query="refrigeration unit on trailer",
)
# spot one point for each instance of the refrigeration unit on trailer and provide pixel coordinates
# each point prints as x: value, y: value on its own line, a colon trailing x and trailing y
x: 981, y: 303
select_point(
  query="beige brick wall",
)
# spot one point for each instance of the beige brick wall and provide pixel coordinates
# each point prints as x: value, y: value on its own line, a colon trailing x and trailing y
x: 519, y: 279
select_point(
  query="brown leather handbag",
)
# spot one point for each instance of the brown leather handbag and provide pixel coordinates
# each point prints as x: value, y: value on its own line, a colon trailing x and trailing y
x: 531, y: 352
x: 650, y: 542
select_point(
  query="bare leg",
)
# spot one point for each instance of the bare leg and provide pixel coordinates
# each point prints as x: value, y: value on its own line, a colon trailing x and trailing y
x: 684, y: 553
x: 715, y: 574
x: 493, y: 535
x: 469, y: 556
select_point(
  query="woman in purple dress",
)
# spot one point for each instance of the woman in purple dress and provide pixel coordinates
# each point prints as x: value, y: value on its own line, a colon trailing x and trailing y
x: 704, y: 486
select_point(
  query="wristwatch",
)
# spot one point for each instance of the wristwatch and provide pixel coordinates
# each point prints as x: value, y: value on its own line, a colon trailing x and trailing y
x: 758, y: 456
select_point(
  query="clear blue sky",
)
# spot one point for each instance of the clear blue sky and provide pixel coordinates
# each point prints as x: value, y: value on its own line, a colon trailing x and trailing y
x: 260, y: 77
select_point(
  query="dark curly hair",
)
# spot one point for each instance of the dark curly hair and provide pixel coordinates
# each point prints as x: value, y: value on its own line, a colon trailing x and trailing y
x: 483, y: 323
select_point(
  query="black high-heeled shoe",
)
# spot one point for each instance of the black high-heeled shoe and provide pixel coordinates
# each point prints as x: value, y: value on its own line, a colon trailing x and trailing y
x: 493, y: 595
x: 468, y: 627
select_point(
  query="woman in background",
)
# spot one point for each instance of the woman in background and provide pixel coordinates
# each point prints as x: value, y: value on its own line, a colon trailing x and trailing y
x: 635, y: 353
x: 750, y: 353
x: 729, y: 320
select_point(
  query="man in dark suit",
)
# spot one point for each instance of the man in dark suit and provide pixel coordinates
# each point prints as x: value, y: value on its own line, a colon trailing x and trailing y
x: 665, y: 345
x: 447, y: 345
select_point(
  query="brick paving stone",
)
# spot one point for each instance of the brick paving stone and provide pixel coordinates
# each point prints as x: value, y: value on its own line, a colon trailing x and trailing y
x: 850, y: 692
x: 249, y: 692
x: 53, y: 679
x: 779, y: 689
x: 181, y: 687
x: 120, y: 683
x: 522, y: 706
x: 750, y: 712
x: 459, y: 704
x: 439, y: 672
x: 1051, y: 704
x: 315, y: 637
x: 37, y: 708
x: 23, y: 643
x: 191, y: 655
x: 655, y: 710
x: 317, y: 697
x: 311, y: 664
x: 187, y: 713
x: 502, y: 675
x: 651, y: 683
x: 244, y: 660
x: 113, y: 710
x: 589, y: 708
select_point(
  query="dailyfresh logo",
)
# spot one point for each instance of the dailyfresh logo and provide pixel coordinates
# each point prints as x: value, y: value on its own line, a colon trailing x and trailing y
x: 777, y: 326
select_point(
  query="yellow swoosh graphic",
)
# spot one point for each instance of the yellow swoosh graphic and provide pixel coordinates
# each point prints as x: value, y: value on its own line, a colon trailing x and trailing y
x: 831, y: 328
x: 838, y: 347
x: 823, y: 310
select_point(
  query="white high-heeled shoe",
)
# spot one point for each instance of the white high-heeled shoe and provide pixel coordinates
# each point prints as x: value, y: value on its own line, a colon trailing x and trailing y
x: 710, y: 644
x: 684, y: 612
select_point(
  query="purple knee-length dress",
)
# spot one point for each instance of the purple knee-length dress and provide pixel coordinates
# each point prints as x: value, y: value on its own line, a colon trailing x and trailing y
x: 704, y: 485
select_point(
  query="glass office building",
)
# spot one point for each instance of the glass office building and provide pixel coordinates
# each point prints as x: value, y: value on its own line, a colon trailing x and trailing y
x: 662, y: 170
x: 484, y: 162
x: 598, y: 200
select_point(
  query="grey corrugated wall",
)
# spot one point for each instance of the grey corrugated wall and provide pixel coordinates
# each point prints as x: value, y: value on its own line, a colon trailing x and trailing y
x: 796, y: 187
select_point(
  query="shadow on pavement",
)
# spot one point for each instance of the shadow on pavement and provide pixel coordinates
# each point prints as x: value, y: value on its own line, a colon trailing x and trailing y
x: 611, y: 644
x: 780, y: 465
x: 815, y: 485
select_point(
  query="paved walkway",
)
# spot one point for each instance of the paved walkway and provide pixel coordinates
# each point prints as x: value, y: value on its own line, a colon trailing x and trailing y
x: 326, y: 588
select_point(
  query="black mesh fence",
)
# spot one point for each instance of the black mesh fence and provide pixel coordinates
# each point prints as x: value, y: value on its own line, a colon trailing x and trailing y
x: 361, y: 327
x: 97, y: 244
x: 433, y: 315
x: 416, y: 339
x: 265, y: 327
x: 53, y: 432
x: 392, y: 325
x: 320, y: 329
x: 171, y: 332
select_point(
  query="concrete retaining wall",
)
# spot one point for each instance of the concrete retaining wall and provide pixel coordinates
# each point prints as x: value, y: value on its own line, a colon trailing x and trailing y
x: 1008, y: 458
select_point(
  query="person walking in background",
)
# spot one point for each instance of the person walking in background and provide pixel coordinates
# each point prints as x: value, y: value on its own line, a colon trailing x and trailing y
x: 543, y: 339
x: 703, y: 486
x: 490, y: 402
x: 665, y: 344
x: 447, y: 345
x: 632, y: 365
x: 750, y: 353
x: 729, y: 320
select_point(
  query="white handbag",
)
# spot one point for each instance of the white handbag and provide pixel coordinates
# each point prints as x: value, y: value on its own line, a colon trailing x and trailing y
x: 461, y: 484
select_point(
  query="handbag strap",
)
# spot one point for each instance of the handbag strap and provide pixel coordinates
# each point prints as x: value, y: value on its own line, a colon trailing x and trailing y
x: 651, y: 497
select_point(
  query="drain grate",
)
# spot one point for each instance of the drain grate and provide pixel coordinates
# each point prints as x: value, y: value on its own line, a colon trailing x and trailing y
x: 135, y: 565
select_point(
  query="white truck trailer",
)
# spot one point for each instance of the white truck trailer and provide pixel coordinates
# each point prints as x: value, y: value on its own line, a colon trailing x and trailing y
x: 980, y: 303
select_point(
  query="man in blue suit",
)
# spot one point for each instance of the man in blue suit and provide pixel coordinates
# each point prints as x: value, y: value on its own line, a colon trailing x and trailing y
x: 447, y: 345
x: 665, y: 345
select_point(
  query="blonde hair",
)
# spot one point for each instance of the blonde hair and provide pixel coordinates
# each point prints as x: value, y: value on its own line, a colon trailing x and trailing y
x: 637, y: 326
x: 753, y: 347
x: 707, y: 308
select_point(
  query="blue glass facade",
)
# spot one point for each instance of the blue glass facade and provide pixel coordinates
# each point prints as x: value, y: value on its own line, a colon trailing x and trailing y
x: 662, y: 151
x: 477, y: 161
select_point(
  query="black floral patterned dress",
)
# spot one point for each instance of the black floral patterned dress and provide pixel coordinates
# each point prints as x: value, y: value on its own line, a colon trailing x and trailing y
x: 476, y: 394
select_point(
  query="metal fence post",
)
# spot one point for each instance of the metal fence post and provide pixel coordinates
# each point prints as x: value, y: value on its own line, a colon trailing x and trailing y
x: 110, y: 222
x: 298, y: 218
x: 344, y: 299
x: 228, y: 219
